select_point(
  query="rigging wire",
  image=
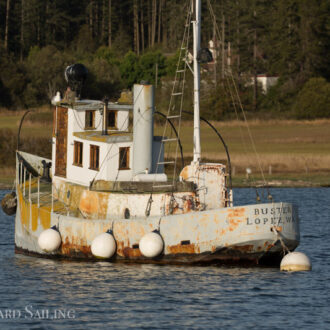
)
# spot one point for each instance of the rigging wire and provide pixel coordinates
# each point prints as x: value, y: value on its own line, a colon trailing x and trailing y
x: 78, y: 120
x: 176, y: 134
x: 249, y: 132
x: 240, y: 128
x: 229, y: 71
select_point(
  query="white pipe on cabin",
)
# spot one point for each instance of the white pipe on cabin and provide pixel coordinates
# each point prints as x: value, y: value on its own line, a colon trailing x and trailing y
x: 197, y: 42
x: 143, y: 110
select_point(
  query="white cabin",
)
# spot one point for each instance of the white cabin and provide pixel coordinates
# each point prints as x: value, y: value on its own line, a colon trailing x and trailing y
x: 89, y: 146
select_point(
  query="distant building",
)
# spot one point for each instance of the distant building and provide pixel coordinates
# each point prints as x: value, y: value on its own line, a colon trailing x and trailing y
x: 265, y: 81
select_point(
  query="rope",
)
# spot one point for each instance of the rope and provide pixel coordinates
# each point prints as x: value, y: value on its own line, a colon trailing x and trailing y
x: 284, y: 247
x: 13, y: 187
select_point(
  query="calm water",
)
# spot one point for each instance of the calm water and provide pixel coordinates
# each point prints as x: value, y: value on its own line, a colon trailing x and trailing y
x: 96, y: 295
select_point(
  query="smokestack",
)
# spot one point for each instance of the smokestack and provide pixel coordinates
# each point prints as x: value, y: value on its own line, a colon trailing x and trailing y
x: 143, y: 111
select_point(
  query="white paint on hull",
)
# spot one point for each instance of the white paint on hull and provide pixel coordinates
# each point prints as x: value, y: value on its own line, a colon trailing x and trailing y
x: 249, y: 227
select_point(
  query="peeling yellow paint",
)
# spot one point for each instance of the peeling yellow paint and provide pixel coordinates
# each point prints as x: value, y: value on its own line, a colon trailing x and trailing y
x: 25, y: 210
x: 34, y: 217
x: 44, y: 214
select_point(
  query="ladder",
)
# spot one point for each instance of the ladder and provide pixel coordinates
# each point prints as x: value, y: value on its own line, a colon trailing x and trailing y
x: 174, y: 111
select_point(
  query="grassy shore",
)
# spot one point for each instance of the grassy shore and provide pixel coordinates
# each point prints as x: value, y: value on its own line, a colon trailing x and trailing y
x: 278, y: 152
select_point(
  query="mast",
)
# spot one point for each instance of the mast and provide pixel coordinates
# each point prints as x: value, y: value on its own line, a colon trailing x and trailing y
x: 197, y: 42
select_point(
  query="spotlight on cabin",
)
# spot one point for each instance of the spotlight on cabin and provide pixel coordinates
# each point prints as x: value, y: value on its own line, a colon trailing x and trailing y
x: 75, y: 75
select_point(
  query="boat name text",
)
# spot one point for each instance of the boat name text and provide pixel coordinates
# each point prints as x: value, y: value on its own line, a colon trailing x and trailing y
x: 281, y: 215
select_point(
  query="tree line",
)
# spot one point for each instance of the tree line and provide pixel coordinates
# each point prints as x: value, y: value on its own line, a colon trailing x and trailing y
x: 122, y: 41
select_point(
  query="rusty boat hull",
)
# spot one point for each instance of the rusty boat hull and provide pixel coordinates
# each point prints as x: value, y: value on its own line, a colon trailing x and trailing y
x: 250, y: 234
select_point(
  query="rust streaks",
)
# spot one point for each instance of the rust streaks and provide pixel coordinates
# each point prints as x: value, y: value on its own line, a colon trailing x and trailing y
x: 235, y: 217
x: 187, y: 248
x: 268, y: 245
x: 120, y: 248
x: 212, y: 168
x: 88, y: 202
x: 233, y: 224
x: 236, y: 213
x: 184, y: 173
x: 131, y: 253
x: 188, y: 205
x: 125, y: 250
x: 76, y: 246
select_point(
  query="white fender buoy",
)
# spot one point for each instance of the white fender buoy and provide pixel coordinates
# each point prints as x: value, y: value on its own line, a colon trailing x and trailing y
x: 50, y: 240
x: 104, y: 245
x: 151, y: 245
x: 295, y: 261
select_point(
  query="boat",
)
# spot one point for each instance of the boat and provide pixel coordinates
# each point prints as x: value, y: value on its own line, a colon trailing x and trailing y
x: 105, y: 193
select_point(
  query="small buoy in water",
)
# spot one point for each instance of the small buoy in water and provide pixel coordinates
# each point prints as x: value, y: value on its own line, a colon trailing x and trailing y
x: 295, y: 261
x: 50, y: 240
x: 9, y: 203
x: 151, y: 245
x: 104, y: 245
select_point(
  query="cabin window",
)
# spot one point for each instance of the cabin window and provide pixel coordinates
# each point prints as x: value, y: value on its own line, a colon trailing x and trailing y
x: 112, y: 119
x: 90, y: 119
x: 94, y: 157
x: 78, y: 153
x: 124, y: 158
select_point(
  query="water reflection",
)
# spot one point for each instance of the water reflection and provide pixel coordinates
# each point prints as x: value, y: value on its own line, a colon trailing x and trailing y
x: 136, y: 296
